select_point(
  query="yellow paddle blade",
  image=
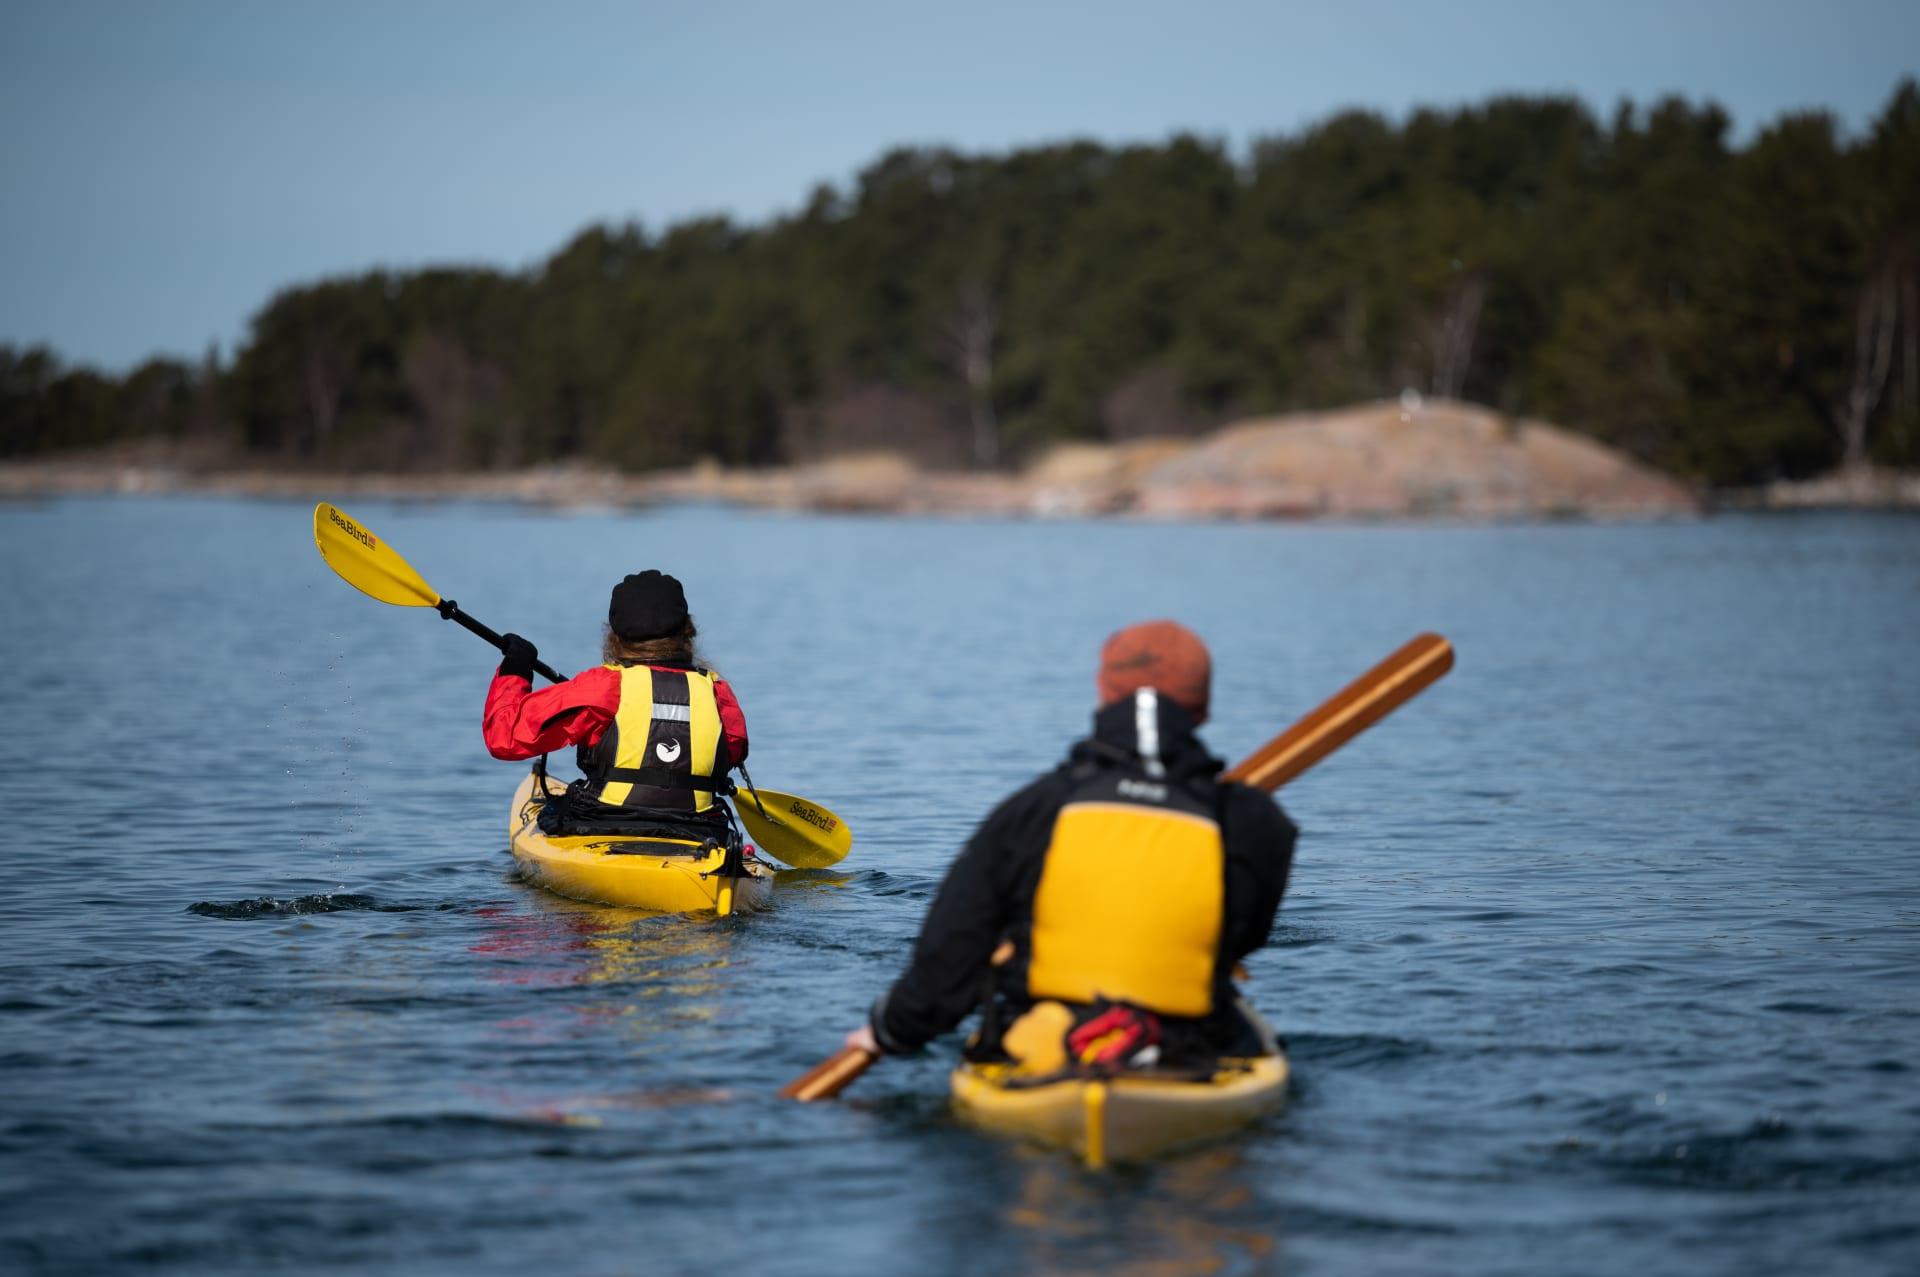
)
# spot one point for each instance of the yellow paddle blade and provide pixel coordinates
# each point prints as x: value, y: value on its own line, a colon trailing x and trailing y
x: 794, y: 831
x: 366, y: 562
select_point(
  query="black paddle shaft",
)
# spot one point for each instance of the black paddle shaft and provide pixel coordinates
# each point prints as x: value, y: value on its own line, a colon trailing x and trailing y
x: 451, y: 610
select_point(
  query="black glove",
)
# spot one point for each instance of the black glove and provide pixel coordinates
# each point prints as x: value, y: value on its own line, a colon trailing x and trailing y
x: 517, y: 656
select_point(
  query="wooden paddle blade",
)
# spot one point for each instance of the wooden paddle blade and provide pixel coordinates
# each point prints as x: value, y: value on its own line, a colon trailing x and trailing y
x: 829, y: 1077
x: 366, y: 562
x: 794, y: 831
x: 1358, y: 706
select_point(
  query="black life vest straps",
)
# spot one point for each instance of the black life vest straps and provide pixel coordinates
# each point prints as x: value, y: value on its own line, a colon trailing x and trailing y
x: 663, y: 778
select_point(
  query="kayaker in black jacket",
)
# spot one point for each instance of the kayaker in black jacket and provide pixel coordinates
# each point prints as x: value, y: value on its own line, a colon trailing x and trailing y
x: 1122, y: 886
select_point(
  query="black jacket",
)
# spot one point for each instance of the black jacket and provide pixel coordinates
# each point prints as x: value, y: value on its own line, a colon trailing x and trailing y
x: 989, y: 892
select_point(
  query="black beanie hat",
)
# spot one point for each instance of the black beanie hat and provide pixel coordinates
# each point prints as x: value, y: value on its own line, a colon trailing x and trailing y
x: 647, y: 605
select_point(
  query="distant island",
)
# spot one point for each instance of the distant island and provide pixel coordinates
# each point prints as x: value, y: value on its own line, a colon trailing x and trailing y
x: 1154, y: 329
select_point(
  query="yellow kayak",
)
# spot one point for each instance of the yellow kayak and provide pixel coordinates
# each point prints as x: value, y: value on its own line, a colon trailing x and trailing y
x: 666, y: 875
x: 1120, y: 1117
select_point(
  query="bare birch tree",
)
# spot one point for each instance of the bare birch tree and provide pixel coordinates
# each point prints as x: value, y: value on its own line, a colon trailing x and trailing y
x: 323, y: 383
x: 968, y: 335
x: 1454, y: 330
x: 1876, y: 320
x: 1910, y: 362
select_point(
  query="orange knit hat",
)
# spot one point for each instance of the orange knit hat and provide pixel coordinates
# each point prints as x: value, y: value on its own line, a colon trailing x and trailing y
x: 1163, y: 655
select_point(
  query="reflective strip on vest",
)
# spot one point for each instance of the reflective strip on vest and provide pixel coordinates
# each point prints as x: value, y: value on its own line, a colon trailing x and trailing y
x: 667, y: 719
x: 1129, y: 908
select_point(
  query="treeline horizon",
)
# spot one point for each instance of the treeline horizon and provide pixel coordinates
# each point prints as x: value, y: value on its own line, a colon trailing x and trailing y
x: 1731, y: 314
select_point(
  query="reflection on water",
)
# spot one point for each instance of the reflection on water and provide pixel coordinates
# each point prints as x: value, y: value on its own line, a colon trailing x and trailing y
x: 640, y: 960
x: 792, y: 881
x: 1201, y: 1216
x: 637, y: 954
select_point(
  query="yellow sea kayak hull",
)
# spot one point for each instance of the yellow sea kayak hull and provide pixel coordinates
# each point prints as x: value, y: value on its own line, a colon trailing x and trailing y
x: 1125, y: 1118
x: 658, y: 874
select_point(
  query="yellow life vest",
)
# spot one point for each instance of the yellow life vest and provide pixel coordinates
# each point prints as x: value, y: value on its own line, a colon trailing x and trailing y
x: 664, y: 743
x: 1131, y: 899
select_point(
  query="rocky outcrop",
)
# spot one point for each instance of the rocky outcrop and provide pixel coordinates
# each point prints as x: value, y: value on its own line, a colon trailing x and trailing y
x: 1406, y: 459
x: 1868, y: 488
x: 1393, y: 460
x: 1082, y: 478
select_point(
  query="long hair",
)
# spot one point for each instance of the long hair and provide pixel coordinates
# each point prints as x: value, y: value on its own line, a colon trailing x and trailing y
x: 675, y: 649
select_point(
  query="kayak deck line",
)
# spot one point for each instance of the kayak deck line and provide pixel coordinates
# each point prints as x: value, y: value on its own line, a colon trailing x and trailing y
x: 1096, y: 1119
x: 1017, y: 1081
x: 661, y: 875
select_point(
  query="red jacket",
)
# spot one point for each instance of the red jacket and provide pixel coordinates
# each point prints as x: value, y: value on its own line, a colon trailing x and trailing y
x: 520, y: 722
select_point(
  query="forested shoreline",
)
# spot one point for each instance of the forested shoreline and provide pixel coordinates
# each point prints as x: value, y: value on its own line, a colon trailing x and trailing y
x: 1731, y: 314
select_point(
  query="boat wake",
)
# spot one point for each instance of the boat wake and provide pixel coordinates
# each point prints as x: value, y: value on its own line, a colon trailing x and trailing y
x: 326, y: 902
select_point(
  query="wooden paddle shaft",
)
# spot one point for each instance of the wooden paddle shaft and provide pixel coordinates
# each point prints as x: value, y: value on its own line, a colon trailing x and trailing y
x: 1358, y: 706
x: 829, y: 1077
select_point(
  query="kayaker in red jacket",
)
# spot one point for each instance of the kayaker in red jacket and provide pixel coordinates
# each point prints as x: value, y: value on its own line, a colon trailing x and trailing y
x: 1102, y: 909
x: 655, y: 733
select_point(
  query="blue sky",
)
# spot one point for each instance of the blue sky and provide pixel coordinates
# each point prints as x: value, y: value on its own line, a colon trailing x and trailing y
x: 170, y: 165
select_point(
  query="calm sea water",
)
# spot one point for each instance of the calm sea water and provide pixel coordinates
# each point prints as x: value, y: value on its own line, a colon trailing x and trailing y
x: 1601, y: 957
